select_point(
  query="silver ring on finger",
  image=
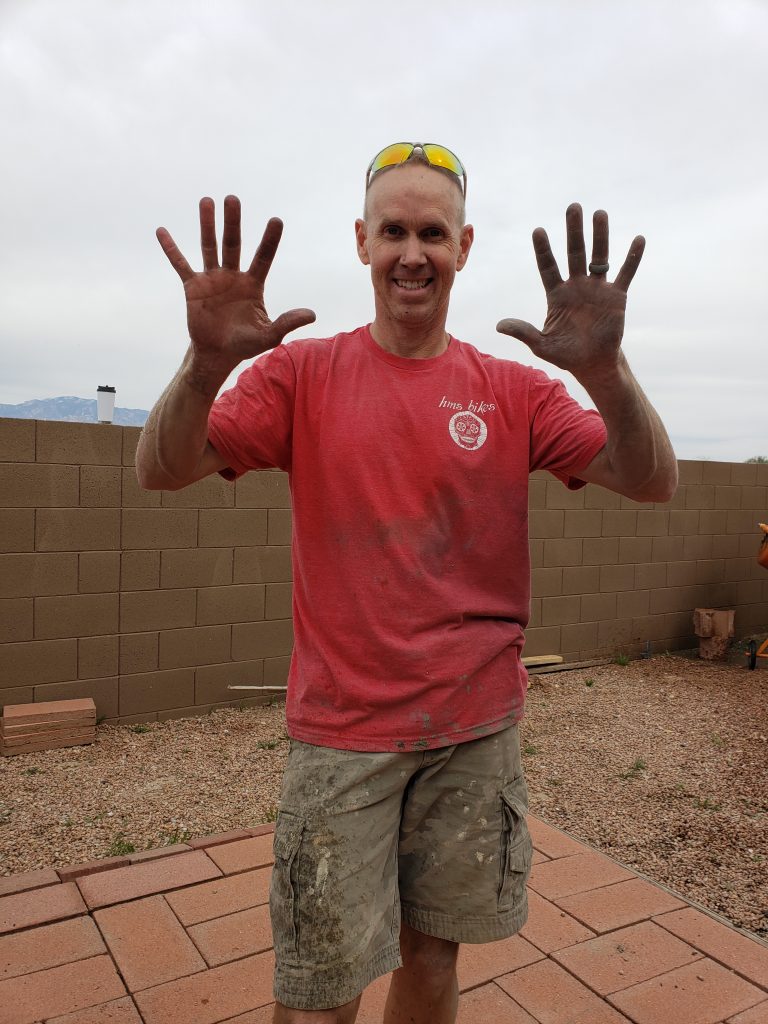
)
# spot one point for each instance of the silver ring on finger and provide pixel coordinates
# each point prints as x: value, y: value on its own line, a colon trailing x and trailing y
x: 598, y: 268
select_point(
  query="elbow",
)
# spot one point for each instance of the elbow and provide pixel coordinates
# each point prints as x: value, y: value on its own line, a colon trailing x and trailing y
x: 660, y: 488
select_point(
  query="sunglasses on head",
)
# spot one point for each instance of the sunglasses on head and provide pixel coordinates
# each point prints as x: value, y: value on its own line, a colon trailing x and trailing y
x: 401, y: 152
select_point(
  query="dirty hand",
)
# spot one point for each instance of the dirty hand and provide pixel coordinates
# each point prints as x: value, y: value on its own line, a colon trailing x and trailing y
x: 225, y: 306
x: 585, y: 315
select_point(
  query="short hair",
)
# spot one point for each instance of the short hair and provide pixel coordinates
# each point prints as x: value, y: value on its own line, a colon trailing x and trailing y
x: 418, y: 157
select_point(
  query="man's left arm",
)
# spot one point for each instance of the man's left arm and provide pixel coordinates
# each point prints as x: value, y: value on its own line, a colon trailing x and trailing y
x: 582, y: 334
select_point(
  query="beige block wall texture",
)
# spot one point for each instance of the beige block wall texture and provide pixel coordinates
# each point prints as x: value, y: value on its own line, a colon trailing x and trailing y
x: 153, y: 603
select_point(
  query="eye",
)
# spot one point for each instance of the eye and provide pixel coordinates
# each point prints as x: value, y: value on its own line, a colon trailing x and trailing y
x: 392, y: 231
x: 433, y: 233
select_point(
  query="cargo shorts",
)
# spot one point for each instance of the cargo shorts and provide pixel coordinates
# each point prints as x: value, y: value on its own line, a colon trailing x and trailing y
x: 436, y: 838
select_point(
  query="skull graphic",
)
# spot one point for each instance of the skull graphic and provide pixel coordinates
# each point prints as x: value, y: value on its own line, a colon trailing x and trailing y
x: 468, y: 430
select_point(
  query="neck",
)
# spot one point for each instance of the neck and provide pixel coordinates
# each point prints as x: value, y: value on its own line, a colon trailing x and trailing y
x: 417, y: 342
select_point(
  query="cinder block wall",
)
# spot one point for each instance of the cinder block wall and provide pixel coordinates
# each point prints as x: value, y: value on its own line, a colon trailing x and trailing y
x: 153, y: 602
x: 149, y: 602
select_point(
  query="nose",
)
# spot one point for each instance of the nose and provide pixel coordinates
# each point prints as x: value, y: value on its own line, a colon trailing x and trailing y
x: 413, y: 252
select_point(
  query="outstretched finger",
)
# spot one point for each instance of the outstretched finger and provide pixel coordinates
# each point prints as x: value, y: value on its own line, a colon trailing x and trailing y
x: 291, y: 321
x: 631, y: 263
x: 600, y: 238
x: 574, y: 229
x: 545, y: 261
x: 230, y: 239
x: 521, y: 330
x: 270, y: 240
x: 208, y: 244
x: 174, y: 254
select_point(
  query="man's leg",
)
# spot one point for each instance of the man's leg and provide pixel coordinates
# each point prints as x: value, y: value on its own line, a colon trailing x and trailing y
x: 340, y: 1015
x: 425, y: 989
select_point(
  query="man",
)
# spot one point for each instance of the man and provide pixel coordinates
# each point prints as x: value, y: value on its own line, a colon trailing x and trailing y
x: 401, y: 830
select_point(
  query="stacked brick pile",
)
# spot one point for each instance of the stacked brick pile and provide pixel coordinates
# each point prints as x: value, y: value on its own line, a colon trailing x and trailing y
x: 25, y: 728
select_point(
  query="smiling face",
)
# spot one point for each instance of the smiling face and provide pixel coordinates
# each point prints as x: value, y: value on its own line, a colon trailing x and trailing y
x: 414, y: 242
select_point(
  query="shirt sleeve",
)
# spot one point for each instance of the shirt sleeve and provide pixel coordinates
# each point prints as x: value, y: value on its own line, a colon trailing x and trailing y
x: 251, y: 424
x: 564, y: 436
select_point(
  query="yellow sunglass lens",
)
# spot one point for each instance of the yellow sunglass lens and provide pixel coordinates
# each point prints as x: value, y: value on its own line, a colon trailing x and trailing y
x: 397, y: 153
x: 443, y: 158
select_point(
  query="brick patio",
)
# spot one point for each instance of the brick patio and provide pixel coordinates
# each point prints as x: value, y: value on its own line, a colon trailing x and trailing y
x: 182, y: 936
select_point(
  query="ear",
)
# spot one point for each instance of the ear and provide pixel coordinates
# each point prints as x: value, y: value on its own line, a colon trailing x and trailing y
x: 361, y: 237
x: 466, y: 239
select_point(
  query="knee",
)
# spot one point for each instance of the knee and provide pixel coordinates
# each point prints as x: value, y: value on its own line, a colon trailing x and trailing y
x: 428, y: 955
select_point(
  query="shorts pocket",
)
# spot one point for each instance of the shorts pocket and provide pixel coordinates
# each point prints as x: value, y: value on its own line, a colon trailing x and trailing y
x: 284, y: 888
x: 516, y: 845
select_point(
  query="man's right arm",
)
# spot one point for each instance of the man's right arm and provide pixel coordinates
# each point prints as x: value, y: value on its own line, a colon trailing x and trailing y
x: 227, y: 323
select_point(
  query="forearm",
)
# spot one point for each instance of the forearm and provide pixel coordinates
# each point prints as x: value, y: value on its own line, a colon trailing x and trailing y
x: 640, y: 460
x: 175, y: 437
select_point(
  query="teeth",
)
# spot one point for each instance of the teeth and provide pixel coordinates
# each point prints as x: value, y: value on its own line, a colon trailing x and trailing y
x: 412, y: 285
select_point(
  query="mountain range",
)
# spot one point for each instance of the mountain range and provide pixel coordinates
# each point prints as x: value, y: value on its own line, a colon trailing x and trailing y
x: 72, y: 409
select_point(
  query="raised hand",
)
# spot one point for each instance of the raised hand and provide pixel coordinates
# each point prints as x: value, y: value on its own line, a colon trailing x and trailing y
x: 226, y: 316
x: 585, y: 315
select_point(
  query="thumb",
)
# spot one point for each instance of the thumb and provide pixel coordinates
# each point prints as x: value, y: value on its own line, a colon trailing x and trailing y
x: 521, y: 330
x: 291, y: 321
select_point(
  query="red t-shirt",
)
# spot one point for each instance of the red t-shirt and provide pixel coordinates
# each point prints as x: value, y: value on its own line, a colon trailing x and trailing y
x: 409, y: 480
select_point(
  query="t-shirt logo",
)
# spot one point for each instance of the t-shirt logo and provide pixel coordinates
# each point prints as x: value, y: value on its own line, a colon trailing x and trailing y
x: 468, y: 430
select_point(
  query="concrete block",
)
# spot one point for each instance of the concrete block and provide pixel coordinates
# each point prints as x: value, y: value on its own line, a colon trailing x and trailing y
x: 636, y: 506
x: 690, y: 472
x: 632, y: 605
x: 134, y: 496
x: 25, y: 664
x: 130, y: 440
x: 614, y: 578
x: 697, y: 546
x: 244, y: 603
x: 667, y: 549
x: 600, y: 497
x: 683, y: 523
x: 17, y: 529
x: 749, y: 591
x: 196, y: 567
x: 635, y: 549
x: 99, y: 572
x: 673, y: 599
x: 139, y: 570
x: 650, y: 575
x: 156, y: 691
x: 200, y: 645
x: 16, y: 619
x: 77, y: 529
x: 583, y: 523
x: 710, y: 570
x: 144, y: 528
x: 263, y: 565
x: 725, y: 546
x: 713, y: 521
x: 100, y: 487
x: 232, y: 527
x: 581, y: 637
x: 615, y: 633
x: 279, y: 603
x: 268, y: 639
x: 146, y: 611
x: 90, y: 444
x: 279, y: 530
x: 700, y: 496
x: 275, y: 671
x: 25, y: 485
x: 682, y: 574
x: 75, y: 615
x: 558, y: 610
x: 97, y: 657
x: 558, y: 496
x: 546, y: 523
x: 263, y: 489
x: 744, y: 474
x: 542, y: 640
x: 536, y: 552
x: 754, y: 498
x: 581, y: 579
x: 210, y: 492
x: 728, y: 496
x: 103, y: 692
x: 597, y: 607
x: 652, y: 523
x: 736, y: 569
x: 547, y: 582
x: 537, y: 492
x: 717, y: 473
x: 601, y: 550
x: 17, y: 440
x: 138, y: 652
x: 619, y: 523
x: 37, y: 575
x: 561, y: 551
x: 16, y: 695
x: 211, y: 681
x: 535, y: 612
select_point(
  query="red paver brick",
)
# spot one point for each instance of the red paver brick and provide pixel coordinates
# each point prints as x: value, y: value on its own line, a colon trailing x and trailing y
x: 226, y: 895
x: 203, y: 842
x: 27, y: 880
x: 624, y: 958
x: 374, y: 999
x: 538, y: 857
x: 234, y: 936
x: 551, y: 841
x: 267, y: 828
x: 118, y: 1011
x: 490, y: 1005
x: 552, y: 996
x: 619, y: 905
x: 91, y: 867
x: 37, y: 949
x: 757, y: 1015
x: 160, y: 851
x: 575, y: 874
x: 35, y: 997
x: 721, y: 943
x: 243, y: 855
x: 549, y: 928
x: 146, y: 879
x: 212, y: 996
x: 701, y: 993
x: 148, y: 943
x: 40, y: 906
x: 482, y: 962
x: 263, y: 1015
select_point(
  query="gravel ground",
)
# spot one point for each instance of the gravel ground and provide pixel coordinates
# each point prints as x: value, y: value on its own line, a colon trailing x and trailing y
x: 660, y: 763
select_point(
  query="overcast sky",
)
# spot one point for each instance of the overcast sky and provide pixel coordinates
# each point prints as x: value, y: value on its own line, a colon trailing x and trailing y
x: 117, y: 117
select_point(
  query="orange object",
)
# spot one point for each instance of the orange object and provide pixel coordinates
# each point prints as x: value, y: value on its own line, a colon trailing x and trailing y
x: 762, y: 554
